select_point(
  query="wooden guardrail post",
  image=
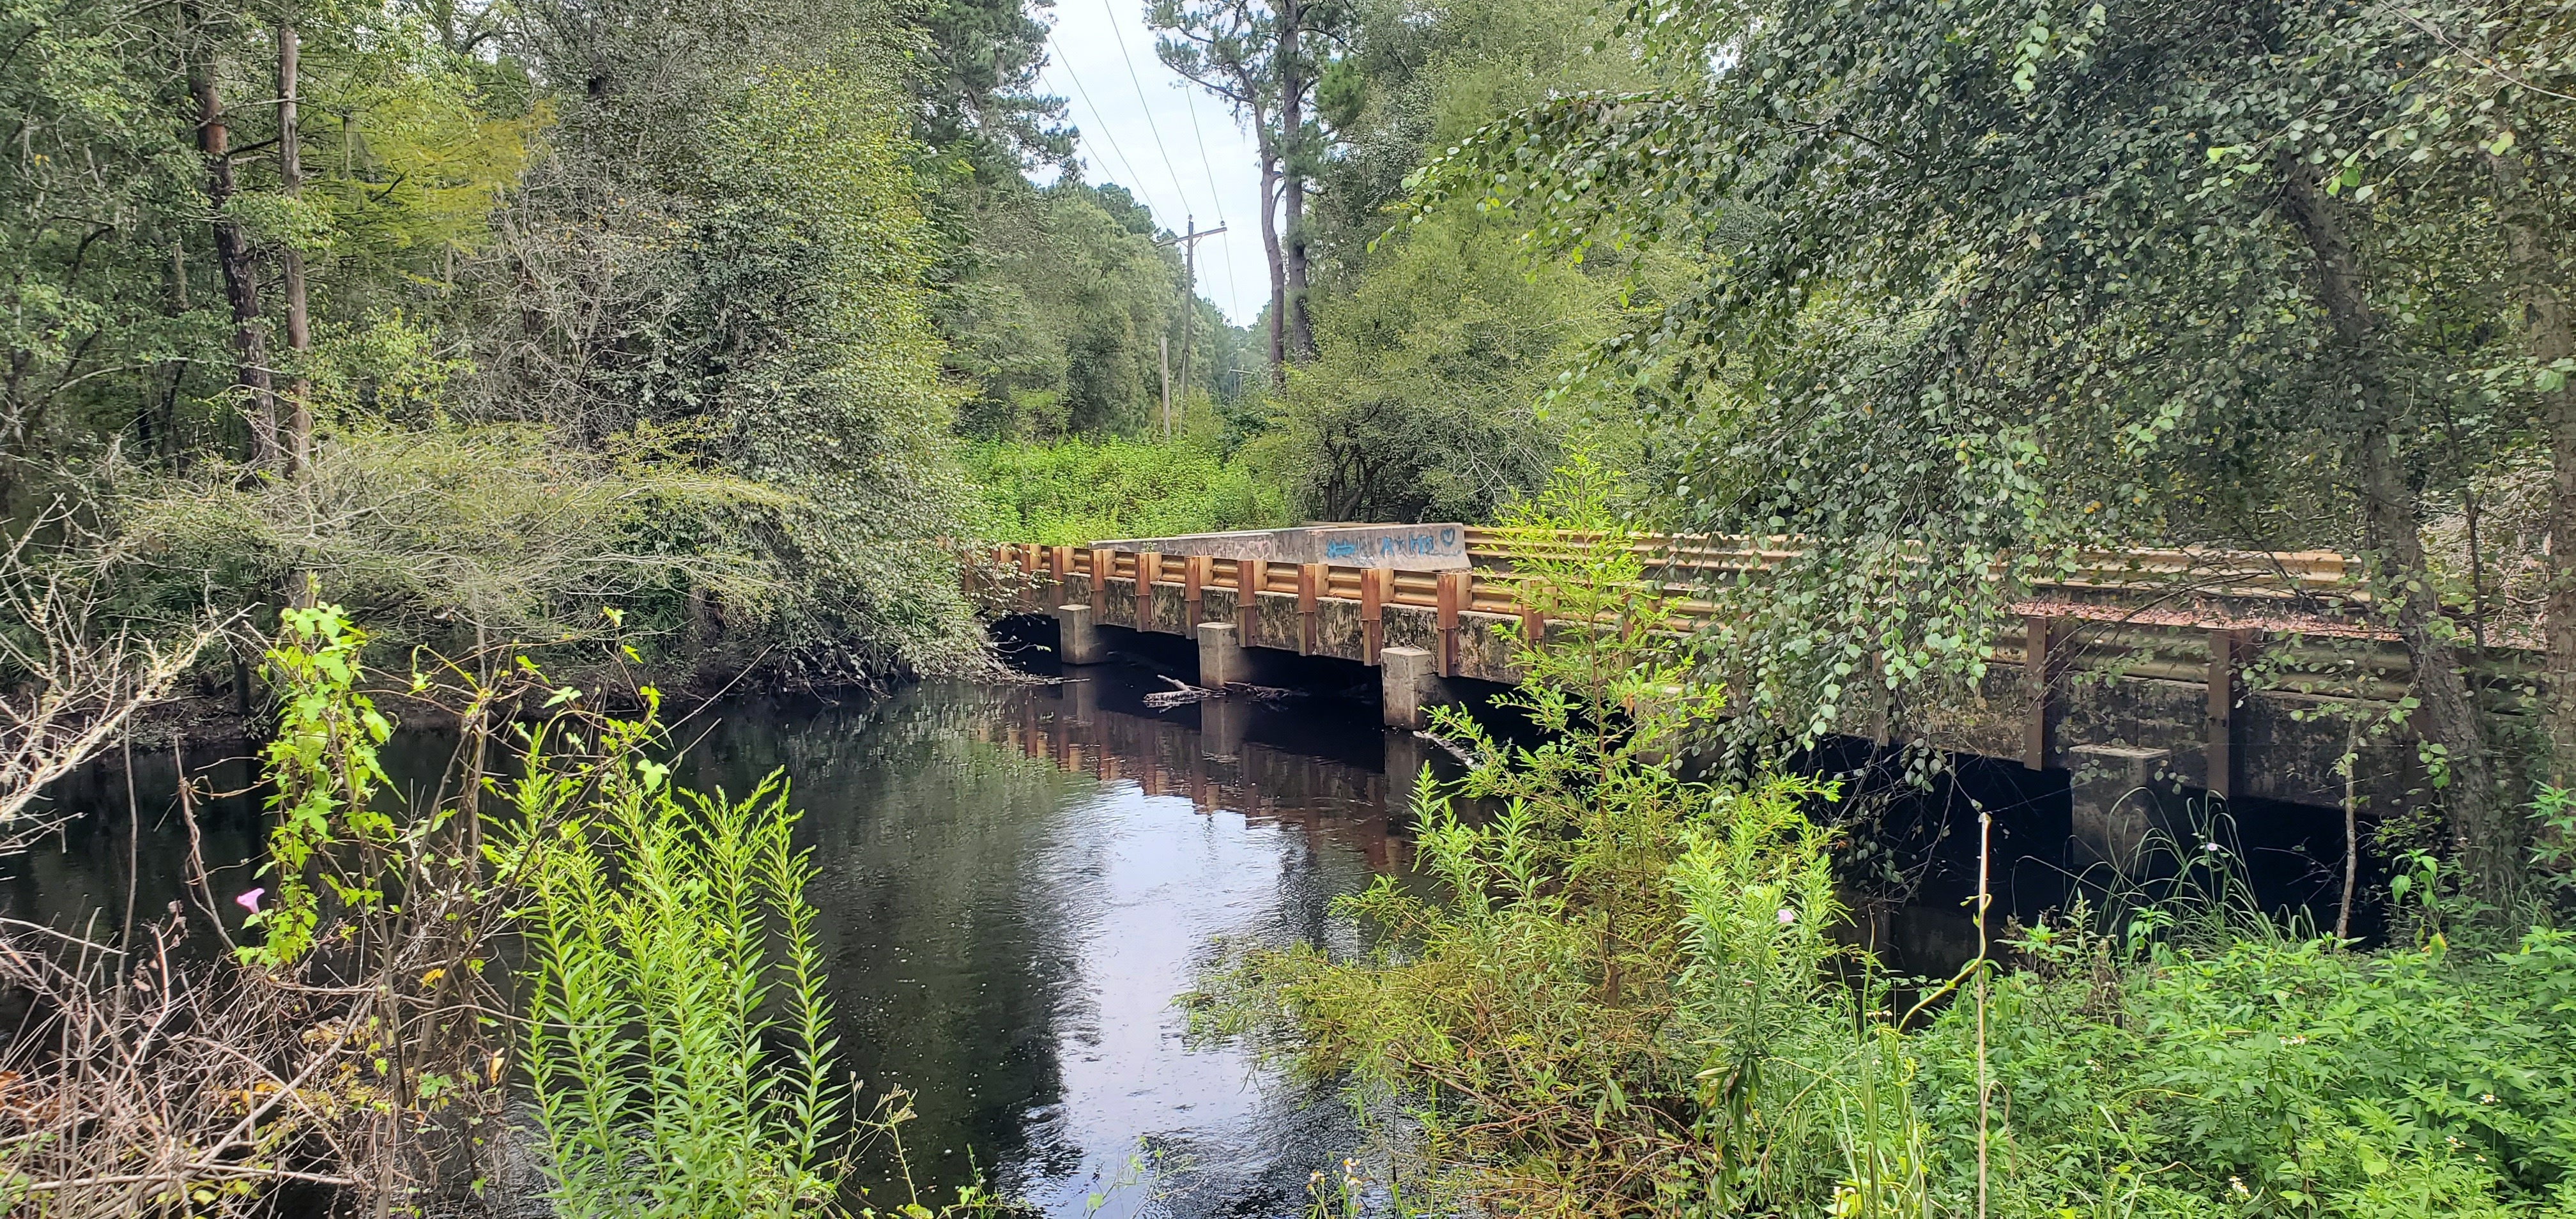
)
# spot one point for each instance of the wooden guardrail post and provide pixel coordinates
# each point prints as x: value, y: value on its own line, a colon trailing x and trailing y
x: 1373, y: 590
x: 1063, y: 558
x: 2038, y: 636
x: 1149, y: 568
x: 1194, y: 577
x: 1454, y: 591
x: 1250, y: 577
x: 1104, y: 564
x: 2227, y: 649
x: 1310, y: 588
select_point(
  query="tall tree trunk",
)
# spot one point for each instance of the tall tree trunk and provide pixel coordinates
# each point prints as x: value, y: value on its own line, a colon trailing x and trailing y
x: 232, y: 253
x: 1269, y: 150
x: 2552, y: 338
x: 172, y: 370
x: 2483, y: 836
x: 1290, y: 69
x: 299, y: 322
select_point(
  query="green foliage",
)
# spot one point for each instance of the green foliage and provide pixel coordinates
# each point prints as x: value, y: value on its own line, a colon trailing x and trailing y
x: 679, y: 1045
x: 2267, y: 1076
x: 684, y: 244
x: 1436, y: 345
x: 1075, y: 492
x: 322, y: 766
x: 1422, y: 404
x: 118, y: 325
x: 756, y: 290
x: 451, y: 526
x: 980, y: 99
x: 1614, y: 1004
x: 1061, y: 319
x: 1989, y: 285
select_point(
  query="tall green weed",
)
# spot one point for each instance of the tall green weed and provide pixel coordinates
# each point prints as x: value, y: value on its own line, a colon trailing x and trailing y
x: 679, y: 1042
x: 1071, y: 492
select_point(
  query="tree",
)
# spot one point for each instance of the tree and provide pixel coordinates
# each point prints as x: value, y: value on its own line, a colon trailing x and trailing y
x: 1437, y: 344
x: 1057, y: 321
x: 979, y: 99
x: 1994, y: 285
x: 1264, y: 59
x: 723, y: 246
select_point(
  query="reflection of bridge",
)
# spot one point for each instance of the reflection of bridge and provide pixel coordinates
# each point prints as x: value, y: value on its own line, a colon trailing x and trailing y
x: 1217, y: 765
x: 2189, y: 670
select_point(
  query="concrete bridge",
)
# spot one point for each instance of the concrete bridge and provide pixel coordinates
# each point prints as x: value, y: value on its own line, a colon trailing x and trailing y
x: 2184, y: 672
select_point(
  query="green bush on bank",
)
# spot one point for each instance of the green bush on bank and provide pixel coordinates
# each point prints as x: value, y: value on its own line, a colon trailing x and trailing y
x: 2269, y: 1076
x: 1074, y: 491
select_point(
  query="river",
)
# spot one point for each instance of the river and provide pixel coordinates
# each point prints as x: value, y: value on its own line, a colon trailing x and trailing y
x: 1016, y: 881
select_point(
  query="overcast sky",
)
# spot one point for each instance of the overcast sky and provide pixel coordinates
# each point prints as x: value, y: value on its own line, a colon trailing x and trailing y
x: 1177, y: 148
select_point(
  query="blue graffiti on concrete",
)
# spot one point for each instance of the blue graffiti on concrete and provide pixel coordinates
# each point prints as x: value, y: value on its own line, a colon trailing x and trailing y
x: 1394, y: 545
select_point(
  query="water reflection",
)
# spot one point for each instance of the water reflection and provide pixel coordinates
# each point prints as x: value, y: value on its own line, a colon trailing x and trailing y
x: 1016, y: 882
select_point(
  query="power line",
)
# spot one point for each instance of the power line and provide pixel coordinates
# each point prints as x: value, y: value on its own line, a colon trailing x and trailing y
x: 1190, y: 102
x: 1146, y: 106
x: 1234, y: 290
x: 1094, y: 107
x: 1207, y: 164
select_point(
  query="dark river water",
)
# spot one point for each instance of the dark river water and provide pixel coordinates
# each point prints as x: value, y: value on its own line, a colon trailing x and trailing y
x: 1016, y: 882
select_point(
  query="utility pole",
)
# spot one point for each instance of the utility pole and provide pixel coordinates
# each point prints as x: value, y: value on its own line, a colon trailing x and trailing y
x: 1165, y: 341
x: 1189, y: 243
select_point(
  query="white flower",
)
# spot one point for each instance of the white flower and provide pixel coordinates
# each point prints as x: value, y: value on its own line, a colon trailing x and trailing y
x: 1787, y: 916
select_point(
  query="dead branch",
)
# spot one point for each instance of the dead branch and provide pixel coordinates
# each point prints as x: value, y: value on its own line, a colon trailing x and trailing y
x: 78, y: 680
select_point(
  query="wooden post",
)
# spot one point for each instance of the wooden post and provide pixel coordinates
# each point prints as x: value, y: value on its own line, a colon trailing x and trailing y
x: 1063, y: 576
x: 1311, y: 580
x: 1194, y: 578
x: 1149, y: 568
x: 2226, y: 651
x: 2037, y: 635
x: 1373, y: 590
x: 1104, y: 564
x: 1453, y: 598
x: 1250, y: 577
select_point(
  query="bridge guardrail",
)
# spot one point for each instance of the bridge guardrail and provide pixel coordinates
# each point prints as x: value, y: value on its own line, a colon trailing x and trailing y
x: 2270, y: 598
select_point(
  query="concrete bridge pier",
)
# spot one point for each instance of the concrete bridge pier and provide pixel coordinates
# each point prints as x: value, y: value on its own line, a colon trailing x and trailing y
x: 1078, y: 635
x: 1411, y: 686
x: 2112, y: 813
x: 1223, y: 660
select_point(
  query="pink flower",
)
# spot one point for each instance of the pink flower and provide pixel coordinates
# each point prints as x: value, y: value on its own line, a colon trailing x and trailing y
x: 250, y: 901
x: 1787, y: 916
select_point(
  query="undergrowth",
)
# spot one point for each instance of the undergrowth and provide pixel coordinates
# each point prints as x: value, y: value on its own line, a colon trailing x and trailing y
x: 1072, y: 492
